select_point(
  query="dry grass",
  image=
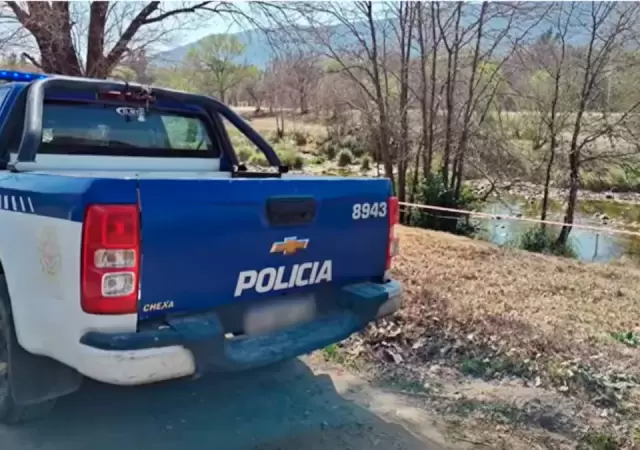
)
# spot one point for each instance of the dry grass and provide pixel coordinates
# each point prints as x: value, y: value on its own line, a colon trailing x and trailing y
x: 510, y: 302
x: 266, y: 123
x: 472, y: 309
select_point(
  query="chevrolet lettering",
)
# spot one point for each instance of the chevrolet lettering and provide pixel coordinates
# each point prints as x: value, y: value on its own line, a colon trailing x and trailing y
x: 279, y: 278
x: 248, y: 268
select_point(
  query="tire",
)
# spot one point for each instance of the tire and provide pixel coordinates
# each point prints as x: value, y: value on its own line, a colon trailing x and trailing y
x: 10, y: 412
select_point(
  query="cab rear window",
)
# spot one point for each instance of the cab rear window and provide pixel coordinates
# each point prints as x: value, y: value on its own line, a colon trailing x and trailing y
x: 123, y: 130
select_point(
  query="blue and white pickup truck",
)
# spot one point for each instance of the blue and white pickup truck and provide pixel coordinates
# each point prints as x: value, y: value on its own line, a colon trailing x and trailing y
x: 134, y: 247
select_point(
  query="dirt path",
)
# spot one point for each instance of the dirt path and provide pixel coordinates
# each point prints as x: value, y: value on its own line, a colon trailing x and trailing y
x: 292, y: 406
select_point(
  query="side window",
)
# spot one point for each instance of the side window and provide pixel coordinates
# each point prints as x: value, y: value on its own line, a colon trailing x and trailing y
x: 186, y: 133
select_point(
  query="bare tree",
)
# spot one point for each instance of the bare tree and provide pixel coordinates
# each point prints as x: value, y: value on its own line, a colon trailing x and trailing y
x: 107, y: 30
x: 609, y: 28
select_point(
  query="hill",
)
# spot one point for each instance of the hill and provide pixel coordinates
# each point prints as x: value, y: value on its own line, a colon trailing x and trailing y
x: 257, y: 52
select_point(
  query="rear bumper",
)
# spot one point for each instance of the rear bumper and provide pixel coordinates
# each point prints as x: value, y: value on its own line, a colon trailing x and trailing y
x: 196, y: 344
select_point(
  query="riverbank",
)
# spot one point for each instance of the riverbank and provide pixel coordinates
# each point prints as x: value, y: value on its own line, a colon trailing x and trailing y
x: 535, y: 191
x: 500, y: 313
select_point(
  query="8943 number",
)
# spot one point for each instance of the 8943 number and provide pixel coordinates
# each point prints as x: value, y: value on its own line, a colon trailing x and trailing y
x: 369, y: 210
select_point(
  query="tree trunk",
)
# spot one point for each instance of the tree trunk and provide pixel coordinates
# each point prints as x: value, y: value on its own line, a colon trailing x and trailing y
x: 464, y: 138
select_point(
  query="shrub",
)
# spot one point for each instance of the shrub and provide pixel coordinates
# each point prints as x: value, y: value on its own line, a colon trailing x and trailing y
x: 300, y: 137
x: 258, y: 159
x: 354, y: 144
x: 274, y: 137
x: 244, y: 153
x: 291, y: 159
x: 329, y: 149
x: 542, y: 240
x: 433, y: 191
x: 365, y: 163
x: 318, y: 160
x: 345, y: 157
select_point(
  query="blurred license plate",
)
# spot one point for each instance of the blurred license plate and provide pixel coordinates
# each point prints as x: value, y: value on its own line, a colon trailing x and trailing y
x: 279, y: 314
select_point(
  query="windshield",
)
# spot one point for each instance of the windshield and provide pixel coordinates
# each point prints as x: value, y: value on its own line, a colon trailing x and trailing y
x: 123, y: 130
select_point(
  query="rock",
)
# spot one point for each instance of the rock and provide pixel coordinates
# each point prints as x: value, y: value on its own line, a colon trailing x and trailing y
x: 604, y: 217
x: 608, y: 196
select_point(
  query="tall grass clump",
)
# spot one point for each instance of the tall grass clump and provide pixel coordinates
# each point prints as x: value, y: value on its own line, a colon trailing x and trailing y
x: 433, y: 191
x: 541, y: 239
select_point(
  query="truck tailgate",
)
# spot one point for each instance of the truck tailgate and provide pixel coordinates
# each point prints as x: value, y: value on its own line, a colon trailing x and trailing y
x: 210, y: 242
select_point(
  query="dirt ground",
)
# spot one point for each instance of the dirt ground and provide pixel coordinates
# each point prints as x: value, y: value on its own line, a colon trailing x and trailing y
x: 291, y: 406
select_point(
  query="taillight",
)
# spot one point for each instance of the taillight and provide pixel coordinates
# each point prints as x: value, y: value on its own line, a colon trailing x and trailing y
x: 110, y: 259
x: 394, y: 219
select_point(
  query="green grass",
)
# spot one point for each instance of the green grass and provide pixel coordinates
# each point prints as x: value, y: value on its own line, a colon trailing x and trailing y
x: 332, y: 353
x: 628, y: 338
x: 598, y: 441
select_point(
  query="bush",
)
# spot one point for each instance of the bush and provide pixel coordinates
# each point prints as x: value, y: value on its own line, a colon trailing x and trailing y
x: 365, y: 163
x: 318, y: 160
x: 433, y: 191
x: 542, y: 240
x: 291, y: 159
x: 274, y: 137
x: 345, y: 157
x: 354, y: 144
x: 244, y: 153
x: 258, y: 159
x: 300, y: 137
x: 329, y: 149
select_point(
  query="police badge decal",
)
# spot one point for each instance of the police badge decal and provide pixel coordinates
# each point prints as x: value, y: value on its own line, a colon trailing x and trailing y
x: 50, y: 257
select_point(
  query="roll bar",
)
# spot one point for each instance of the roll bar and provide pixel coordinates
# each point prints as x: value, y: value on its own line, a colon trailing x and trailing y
x: 32, y: 132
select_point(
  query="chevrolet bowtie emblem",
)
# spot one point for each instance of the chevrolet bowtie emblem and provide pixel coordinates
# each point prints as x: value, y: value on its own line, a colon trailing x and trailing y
x: 289, y: 246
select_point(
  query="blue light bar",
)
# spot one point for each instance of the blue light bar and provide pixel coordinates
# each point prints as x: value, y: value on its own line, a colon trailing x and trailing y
x: 12, y: 75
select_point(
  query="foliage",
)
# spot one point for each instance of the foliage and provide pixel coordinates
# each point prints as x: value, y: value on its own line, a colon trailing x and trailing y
x: 365, y: 163
x: 598, y: 441
x: 345, y: 157
x: 244, y: 153
x: 300, y: 137
x: 542, y: 240
x: 352, y: 143
x: 258, y: 159
x: 628, y: 338
x: 214, y: 66
x: 329, y: 149
x: 292, y: 159
x: 625, y: 179
x: 180, y: 79
x: 433, y: 191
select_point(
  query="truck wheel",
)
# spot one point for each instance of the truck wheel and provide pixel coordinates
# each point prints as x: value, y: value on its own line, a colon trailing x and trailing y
x: 11, y: 412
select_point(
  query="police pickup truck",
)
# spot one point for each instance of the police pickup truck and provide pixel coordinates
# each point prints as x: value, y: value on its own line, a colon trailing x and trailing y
x: 135, y: 248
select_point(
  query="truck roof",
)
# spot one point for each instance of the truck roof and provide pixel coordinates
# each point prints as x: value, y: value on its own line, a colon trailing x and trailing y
x: 21, y: 80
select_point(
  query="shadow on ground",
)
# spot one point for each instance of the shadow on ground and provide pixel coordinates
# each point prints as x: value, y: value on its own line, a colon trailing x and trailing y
x: 282, y: 407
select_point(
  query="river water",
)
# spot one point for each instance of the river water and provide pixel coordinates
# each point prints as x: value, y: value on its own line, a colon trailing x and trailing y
x: 592, y: 246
